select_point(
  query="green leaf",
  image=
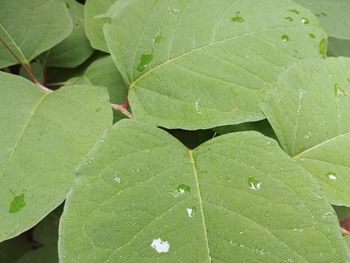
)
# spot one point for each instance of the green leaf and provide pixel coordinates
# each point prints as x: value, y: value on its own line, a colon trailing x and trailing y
x: 28, y: 28
x: 338, y: 47
x: 94, y: 24
x: 141, y: 196
x: 75, y: 49
x: 313, y: 125
x: 333, y: 15
x: 103, y: 72
x: 189, y: 64
x: 42, y: 139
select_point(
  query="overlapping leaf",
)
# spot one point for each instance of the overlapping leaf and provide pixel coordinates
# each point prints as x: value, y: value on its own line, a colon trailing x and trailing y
x: 334, y: 15
x: 141, y: 196
x: 313, y: 125
x: 199, y: 64
x: 42, y: 139
x: 75, y: 49
x: 94, y: 23
x: 28, y: 28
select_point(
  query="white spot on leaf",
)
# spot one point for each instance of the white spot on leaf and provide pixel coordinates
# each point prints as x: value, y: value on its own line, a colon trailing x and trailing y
x: 160, y: 246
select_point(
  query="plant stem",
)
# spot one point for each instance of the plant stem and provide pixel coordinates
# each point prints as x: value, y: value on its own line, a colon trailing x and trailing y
x: 122, y: 109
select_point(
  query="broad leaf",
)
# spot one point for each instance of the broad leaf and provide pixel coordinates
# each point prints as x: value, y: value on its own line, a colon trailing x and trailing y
x: 42, y: 139
x: 103, y: 72
x: 313, y: 125
x: 75, y: 49
x: 141, y: 196
x: 200, y: 64
x: 28, y: 28
x: 334, y: 15
x: 94, y: 23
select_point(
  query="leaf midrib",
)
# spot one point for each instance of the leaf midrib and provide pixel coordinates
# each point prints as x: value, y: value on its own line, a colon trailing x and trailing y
x: 297, y: 156
x: 200, y: 202
x: 20, y: 136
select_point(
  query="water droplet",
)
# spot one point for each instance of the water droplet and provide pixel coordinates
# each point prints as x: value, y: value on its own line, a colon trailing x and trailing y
x: 331, y: 176
x: 191, y: 211
x: 308, y: 135
x: 17, y: 204
x: 197, y: 107
x: 181, y: 190
x: 339, y: 92
x: 160, y: 246
x: 294, y: 11
x: 321, y: 14
x: 254, y: 184
x: 305, y: 21
x: 237, y: 18
x: 158, y: 38
x: 323, y: 47
x: 288, y: 18
x: 290, y: 260
x: 144, y: 61
x: 285, y: 38
x: 311, y: 35
x: 117, y: 179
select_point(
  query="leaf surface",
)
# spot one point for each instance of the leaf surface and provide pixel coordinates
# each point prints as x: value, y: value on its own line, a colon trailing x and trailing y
x: 313, y: 125
x: 28, y: 28
x: 141, y: 196
x: 333, y: 15
x: 199, y: 64
x: 42, y: 139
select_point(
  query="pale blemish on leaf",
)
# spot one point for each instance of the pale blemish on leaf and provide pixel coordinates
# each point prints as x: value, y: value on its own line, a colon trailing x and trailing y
x: 160, y: 246
x: 254, y: 184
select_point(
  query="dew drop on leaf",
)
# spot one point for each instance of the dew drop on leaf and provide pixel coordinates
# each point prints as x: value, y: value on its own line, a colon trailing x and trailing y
x: 294, y: 11
x: 288, y: 18
x: 312, y: 35
x: 339, y: 92
x: 323, y: 47
x: 117, y: 179
x: 237, y: 18
x: 191, y: 211
x: 181, y: 190
x: 160, y: 246
x: 331, y: 176
x: 17, y: 204
x: 285, y: 38
x: 305, y: 20
x: 144, y: 61
x: 254, y: 184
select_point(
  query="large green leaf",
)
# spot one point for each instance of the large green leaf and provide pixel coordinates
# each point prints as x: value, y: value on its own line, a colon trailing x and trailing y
x: 334, y: 15
x: 199, y: 64
x: 28, y: 28
x: 313, y: 125
x: 141, y: 196
x: 94, y: 23
x: 75, y: 49
x: 42, y: 139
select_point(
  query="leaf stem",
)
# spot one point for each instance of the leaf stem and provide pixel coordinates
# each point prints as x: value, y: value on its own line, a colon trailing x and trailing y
x: 122, y: 109
x: 26, y: 66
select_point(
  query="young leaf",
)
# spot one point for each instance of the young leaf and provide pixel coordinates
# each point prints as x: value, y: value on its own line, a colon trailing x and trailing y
x: 28, y: 28
x: 200, y: 64
x: 313, y: 125
x: 333, y: 15
x: 94, y: 24
x: 42, y: 139
x: 75, y: 49
x: 141, y: 196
